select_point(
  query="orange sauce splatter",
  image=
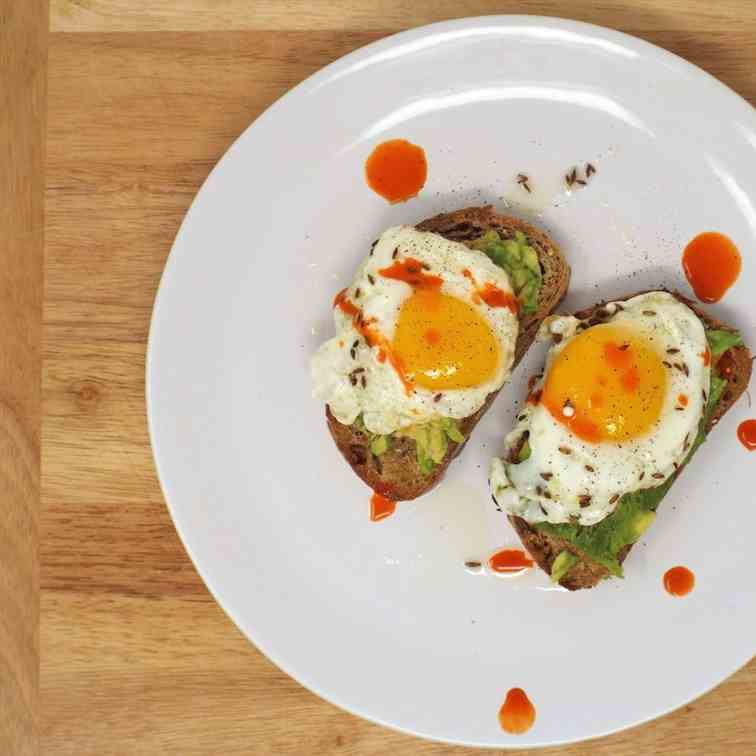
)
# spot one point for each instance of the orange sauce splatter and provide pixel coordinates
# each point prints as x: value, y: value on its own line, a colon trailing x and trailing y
x: 492, y: 295
x: 372, y: 336
x: 712, y: 264
x: 517, y: 713
x: 510, y: 560
x: 411, y: 271
x: 747, y: 434
x: 679, y: 581
x: 683, y: 400
x: 396, y: 170
x: 706, y: 357
x: 381, y: 507
x: 535, y: 396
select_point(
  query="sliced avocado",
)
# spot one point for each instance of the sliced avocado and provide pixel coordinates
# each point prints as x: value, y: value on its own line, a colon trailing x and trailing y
x: 452, y: 429
x: 564, y: 562
x: 721, y: 341
x: 438, y: 443
x: 524, y: 452
x: 519, y: 260
x: 380, y: 445
x: 641, y: 522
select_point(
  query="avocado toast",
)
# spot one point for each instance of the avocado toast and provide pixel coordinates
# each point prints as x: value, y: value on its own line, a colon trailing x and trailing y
x: 406, y: 464
x: 580, y: 556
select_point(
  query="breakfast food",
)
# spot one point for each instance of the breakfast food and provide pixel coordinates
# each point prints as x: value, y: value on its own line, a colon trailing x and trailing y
x: 630, y: 390
x: 427, y: 333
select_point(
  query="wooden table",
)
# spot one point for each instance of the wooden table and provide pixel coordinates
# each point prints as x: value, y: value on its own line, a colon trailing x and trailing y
x: 144, y: 96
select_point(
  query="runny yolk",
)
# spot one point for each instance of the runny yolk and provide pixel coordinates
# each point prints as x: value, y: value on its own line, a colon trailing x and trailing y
x: 517, y: 713
x: 712, y: 264
x: 679, y: 581
x: 396, y: 170
x: 381, y: 507
x: 607, y: 384
x: 747, y: 434
x: 443, y: 342
x: 510, y: 560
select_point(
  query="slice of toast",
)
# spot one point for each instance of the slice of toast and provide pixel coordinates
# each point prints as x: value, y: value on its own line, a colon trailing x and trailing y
x: 586, y: 573
x: 396, y: 473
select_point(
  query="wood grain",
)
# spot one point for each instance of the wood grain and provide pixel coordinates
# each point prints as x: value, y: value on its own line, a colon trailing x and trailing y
x: 340, y: 15
x: 136, y: 656
x: 23, y: 49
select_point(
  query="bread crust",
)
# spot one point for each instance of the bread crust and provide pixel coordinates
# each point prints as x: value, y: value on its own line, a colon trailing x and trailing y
x: 586, y: 573
x: 396, y: 473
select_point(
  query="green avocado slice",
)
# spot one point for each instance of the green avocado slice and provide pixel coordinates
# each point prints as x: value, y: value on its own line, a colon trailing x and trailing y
x: 520, y: 261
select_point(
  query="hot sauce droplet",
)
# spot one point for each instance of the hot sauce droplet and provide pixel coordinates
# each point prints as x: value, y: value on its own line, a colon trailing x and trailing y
x: 381, y: 507
x: 396, y: 170
x: 517, y: 713
x: 679, y: 581
x: 747, y: 434
x: 712, y: 264
x: 510, y: 560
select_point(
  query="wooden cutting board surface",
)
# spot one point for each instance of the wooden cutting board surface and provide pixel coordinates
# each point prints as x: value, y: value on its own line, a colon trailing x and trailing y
x: 144, y: 96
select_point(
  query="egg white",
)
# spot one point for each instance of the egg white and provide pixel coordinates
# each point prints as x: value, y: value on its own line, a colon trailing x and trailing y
x: 604, y: 470
x: 382, y: 401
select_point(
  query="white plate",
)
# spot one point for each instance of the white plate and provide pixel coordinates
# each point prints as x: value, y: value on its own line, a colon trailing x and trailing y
x: 382, y: 619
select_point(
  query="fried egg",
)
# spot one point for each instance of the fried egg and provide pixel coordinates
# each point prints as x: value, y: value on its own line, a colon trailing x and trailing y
x: 616, y: 411
x: 427, y: 329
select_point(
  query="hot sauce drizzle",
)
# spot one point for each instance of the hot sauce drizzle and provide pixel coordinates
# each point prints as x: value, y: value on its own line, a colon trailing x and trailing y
x: 517, y: 713
x: 679, y: 581
x: 712, y: 264
x: 747, y: 434
x: 381, y: 507
x: 510, y: 560
x: 396, y: 170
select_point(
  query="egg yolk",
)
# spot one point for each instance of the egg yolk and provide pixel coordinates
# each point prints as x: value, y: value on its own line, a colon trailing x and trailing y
x: 444, y: 343
x: 607, y: 384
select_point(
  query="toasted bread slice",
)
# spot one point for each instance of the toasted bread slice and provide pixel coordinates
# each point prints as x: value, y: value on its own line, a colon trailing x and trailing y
x: 586, y: 573
x: 396, y: 473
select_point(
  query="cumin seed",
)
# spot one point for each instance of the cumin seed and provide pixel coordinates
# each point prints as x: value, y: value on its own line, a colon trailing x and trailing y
x: 589, y: 169
x: 364, y: 382
x: 642, y: 475
x: 473, y: 565
x: 437, y: 397
x: 650, y: 313
x: 565, y: 450
x: 547, y: 475
x: 658, y: 476
x: 672, y: 351
x: 614, y: 498
x: 589, y: 468
x: 667, y: 364
x: 584, y: 501
x: 395, y: 253
x: 371, y: 279
x: 357, y: 293
x: 581, y: 182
